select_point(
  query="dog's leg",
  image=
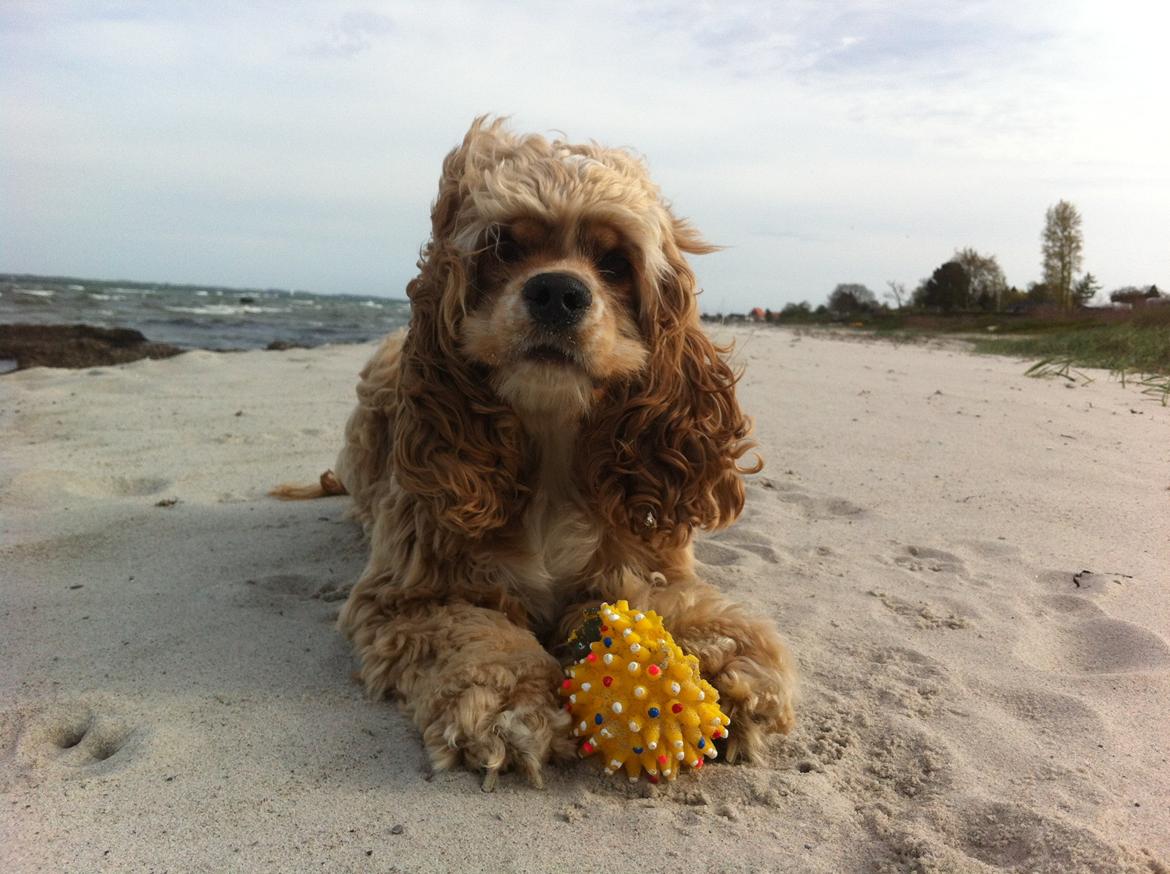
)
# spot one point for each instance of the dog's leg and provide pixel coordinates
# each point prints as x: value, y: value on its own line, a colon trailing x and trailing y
x: 480, y: 688
x: 740, y: 654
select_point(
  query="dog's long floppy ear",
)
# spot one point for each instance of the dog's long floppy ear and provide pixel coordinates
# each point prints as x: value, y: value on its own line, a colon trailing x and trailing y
x: 662, y: 454
x: 455, y: 445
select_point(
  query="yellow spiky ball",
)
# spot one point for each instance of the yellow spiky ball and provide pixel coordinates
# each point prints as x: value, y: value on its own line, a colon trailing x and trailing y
x: 638, y: 700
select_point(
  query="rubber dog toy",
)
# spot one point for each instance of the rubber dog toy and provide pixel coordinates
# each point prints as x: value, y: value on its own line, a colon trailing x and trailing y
x: 638, y: 700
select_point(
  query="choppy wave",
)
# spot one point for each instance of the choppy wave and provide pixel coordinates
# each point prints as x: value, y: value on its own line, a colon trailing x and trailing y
x: 227, y: 309
x: 35, y: 292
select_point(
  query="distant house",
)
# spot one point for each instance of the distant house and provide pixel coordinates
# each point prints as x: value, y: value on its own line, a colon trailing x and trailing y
x: 758, y: 314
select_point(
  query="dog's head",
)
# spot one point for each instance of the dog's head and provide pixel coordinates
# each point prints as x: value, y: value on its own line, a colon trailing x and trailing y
x: 554, y: 289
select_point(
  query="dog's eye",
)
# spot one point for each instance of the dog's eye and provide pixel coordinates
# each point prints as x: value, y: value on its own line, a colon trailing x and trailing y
x: 614, y: 265
x: 504, y: 246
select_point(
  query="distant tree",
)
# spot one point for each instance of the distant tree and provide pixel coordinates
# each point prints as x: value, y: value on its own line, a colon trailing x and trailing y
x: 1041, y: 293
x: 897, y: 293
x: 1062, y: 246
x: 821, y: 310
x: 852, y: 297
x: 987, y: 280
x: 1133, y: 295
x: 1085, y: 289
x: 1012, y: 297
x: 948, y: 288
x: 796, y: 310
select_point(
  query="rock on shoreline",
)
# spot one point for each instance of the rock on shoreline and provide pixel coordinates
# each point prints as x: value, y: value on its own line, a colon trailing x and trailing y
x: 74, y: 346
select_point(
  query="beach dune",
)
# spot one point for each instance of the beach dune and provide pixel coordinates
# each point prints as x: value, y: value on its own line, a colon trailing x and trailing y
x: 971, y: 566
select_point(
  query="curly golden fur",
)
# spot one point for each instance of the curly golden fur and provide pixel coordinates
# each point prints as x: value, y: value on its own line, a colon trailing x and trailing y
x: 516, y: 461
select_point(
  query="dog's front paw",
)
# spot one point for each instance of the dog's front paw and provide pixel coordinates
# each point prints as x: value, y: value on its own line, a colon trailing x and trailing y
x: 497, y: 724
x: 756, y: 681
x: 758, y: 698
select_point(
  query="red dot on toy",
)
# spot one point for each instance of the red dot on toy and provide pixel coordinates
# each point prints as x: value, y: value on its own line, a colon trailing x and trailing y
x: 663, y: 759
x: 567, y: 684
x: 653, y: 670
x: 698, y: 764
x: 676, y: 708
x: 586, y: 747
x: 592, y: 657
x: 716, y: 734
x: 607, y: 681
x: 569, y: 707
x: 652, y: 778
x: 605, y: 628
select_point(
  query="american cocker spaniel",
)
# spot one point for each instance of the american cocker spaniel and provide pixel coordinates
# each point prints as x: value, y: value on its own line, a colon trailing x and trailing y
x: 549, y: 433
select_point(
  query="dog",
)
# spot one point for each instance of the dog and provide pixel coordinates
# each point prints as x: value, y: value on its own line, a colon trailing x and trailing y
x: 549, y: 433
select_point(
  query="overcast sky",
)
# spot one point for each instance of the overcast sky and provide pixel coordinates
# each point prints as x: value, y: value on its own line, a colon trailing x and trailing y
x: 298, y: 144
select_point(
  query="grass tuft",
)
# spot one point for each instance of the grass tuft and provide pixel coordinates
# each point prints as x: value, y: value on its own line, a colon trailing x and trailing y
x: 1139, y: 345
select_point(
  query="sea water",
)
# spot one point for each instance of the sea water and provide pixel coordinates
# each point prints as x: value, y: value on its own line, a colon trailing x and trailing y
x: 205, y: 318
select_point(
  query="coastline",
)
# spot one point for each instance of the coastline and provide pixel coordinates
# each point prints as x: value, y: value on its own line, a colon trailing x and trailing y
x: 968, y: 564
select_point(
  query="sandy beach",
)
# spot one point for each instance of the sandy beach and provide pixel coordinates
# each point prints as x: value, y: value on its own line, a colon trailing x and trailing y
x: 971, y: 566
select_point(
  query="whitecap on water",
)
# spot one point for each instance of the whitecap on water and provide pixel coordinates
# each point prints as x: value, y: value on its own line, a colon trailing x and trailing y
x: 225, y: 309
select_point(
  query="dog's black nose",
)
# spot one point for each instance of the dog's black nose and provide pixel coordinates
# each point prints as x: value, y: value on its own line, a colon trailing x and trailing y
x: 556, y: 300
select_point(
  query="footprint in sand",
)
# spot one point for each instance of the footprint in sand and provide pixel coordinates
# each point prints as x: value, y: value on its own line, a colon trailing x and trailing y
x: 921, y: 613
x: 994, y: 549
x: 1074, y: 634
x: 1006, y: 835
x: 1049, y: 713
x: 41, y: 482
x: 896, y: 680
x: 716, y: 555
x: 828, y: 507
x: 923, y: 559
x: 1095, y: 646
x: 729, y: 548
x: 276, y: 590
x: 826, y: 737
x: 76, y: 735
x: 912, y: 682
x: 136, y: 487
x: 813, y: 507
x: 909, y: 761
x: 779, y: 490
x: 742, y: 543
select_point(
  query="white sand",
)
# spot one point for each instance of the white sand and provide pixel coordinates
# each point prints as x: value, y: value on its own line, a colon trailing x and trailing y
x: 174, y: 696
